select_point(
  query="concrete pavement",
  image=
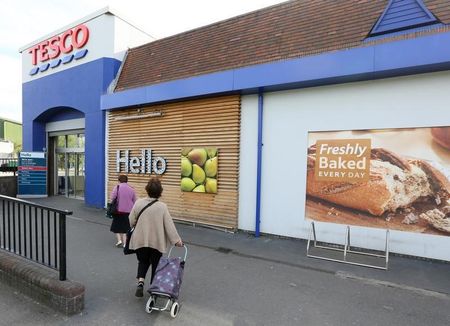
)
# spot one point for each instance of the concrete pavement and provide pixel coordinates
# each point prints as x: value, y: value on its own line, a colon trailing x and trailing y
x: 236, y: 279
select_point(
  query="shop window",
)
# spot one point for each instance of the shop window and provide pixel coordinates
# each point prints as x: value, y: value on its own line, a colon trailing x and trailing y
x: 61, y: 141
x: 81, y: 140
x: 72, y: 141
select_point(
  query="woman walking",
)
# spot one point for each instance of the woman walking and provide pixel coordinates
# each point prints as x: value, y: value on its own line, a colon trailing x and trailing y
x: 154, y: 232
x: 126, y: 197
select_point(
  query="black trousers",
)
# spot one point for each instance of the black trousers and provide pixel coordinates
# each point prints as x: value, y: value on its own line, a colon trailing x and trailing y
x: 147, y: 256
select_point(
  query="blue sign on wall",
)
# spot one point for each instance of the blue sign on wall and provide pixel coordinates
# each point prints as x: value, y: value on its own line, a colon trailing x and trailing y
x: 32, y: 180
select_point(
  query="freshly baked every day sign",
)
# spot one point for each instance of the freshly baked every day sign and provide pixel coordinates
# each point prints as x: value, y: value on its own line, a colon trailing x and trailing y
x: 391, y: 178
x: 345, y: 160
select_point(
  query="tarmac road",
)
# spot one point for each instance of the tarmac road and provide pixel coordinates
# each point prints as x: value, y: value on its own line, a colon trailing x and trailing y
x: 264, y: 281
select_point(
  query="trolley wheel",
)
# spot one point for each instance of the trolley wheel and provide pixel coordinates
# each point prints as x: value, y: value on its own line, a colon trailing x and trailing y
x: 149, y: 305
x: 174, y: 309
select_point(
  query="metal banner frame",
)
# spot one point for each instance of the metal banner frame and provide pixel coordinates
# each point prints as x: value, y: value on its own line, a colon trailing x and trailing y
x: 346, y: 250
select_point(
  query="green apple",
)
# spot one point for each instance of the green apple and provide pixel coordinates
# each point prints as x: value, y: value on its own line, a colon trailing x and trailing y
x: 212, y: 152
x: 211, y: 185
x: 211, y: 167
x: 187, y: 184
x: 200, y: 188
x: 186, y: 167
x: 185, y: 151
x: 198, y: 156
x: 198, y: 175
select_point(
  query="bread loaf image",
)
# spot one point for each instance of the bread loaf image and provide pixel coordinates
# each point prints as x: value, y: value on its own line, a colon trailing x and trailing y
x: 441, y: 135
x: 395, y: 183
x: 438, y: 218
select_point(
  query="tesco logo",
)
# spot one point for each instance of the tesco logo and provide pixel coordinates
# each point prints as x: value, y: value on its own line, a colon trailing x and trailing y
x: 68, y: 41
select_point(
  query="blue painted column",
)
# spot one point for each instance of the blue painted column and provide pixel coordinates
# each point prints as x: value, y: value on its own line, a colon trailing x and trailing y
x: 39, y: 136
x: 259, y: 163
x: 95, y: 159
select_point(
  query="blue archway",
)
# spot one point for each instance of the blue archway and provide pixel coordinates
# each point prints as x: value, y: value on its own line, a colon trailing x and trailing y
x: 70, y: 94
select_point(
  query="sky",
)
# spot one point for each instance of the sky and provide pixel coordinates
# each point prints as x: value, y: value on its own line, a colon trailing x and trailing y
x: 24, y: 21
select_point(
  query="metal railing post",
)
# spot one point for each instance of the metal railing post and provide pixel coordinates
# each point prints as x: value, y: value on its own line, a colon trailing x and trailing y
x: 24, y: 233
x: 259, y: 163
x: 62, y: 247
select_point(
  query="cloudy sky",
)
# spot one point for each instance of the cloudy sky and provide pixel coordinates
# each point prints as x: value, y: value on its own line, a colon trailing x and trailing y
x: 24, y: 21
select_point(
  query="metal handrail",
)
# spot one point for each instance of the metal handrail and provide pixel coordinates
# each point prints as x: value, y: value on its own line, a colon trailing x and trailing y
x: 57, y: 210
x: 35, y: 232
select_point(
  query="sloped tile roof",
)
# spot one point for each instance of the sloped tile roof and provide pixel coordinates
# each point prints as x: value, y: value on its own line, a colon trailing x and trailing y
x: 288, y: 30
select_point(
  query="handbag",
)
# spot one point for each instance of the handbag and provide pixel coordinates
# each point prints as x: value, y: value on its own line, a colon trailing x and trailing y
x: 112, y: 207
x: 126, y: 249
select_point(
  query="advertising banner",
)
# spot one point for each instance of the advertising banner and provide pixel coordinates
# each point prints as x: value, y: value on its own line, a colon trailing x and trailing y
x: 32, y: 178
x: 199, y: 168
x: 392, y: 179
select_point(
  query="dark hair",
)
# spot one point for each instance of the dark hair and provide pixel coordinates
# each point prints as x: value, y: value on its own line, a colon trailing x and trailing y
x: 123, y: 178
x: 154, y: 188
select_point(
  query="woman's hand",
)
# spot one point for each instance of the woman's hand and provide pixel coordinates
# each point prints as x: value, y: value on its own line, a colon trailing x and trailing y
x: 179, y: 244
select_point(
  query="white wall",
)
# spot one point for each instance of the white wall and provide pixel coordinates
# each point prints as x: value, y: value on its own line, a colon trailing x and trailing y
x: 247, y: 162
x: 127, y: 36
x: 416, y: 101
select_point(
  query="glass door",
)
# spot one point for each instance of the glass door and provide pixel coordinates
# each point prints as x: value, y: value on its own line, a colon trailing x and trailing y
x: 71, y: 175
x: 79, y: 191
x: 69, y: 162
x: 61, y: 174
x: 75, y: 175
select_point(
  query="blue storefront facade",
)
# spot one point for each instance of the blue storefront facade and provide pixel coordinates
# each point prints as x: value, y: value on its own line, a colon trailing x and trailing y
x: 390, y: 75
x: 73, y: 93
x: 62, y: 97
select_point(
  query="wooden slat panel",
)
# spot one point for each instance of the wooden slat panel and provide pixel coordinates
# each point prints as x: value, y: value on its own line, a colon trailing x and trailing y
x: 213, y: 122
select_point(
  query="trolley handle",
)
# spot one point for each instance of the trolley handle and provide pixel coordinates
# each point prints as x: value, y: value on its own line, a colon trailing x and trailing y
x: 185, y: 252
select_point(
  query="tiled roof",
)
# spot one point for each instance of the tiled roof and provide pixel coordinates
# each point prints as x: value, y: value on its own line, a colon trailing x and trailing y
x: 288, y: 30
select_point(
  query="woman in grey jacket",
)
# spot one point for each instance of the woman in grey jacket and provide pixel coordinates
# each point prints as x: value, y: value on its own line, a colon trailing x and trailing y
x: 153, y: 233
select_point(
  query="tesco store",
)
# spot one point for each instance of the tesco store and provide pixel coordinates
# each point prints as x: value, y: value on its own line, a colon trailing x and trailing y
x: 254, y: 123
x: 64, y: 75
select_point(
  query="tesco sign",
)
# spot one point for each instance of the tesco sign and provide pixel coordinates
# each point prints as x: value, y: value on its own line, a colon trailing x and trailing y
x: 64, y: 43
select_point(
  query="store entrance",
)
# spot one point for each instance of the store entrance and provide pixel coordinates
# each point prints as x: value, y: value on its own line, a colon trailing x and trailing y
x: 69, y: 162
